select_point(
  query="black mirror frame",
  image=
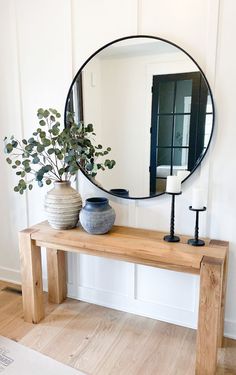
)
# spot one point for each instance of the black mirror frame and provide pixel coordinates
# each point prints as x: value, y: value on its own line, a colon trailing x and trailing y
x: 201, y: 71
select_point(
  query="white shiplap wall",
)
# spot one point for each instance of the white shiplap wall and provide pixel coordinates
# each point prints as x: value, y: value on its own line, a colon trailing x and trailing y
x: 44, y: 45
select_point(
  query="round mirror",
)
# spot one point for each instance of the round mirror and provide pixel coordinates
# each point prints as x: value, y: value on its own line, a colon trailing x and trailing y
x: 150, y: 102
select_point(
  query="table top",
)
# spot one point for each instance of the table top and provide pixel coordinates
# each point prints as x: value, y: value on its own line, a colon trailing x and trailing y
x: 135, y: 245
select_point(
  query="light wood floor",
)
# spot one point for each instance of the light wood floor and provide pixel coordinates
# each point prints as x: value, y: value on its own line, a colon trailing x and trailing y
x: 101, y: 341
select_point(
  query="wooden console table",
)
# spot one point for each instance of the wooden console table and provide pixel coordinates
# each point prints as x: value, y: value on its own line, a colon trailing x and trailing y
x: 131, y: 245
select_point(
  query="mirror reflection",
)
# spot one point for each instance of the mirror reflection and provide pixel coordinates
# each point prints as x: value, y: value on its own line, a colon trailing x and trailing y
x: 151, y: 104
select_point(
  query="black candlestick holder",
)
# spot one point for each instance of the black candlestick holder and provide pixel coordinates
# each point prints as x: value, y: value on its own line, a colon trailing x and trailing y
x: 196, y: 241
x: 171, y: 237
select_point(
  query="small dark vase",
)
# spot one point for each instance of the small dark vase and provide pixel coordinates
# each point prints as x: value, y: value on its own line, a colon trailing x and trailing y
x: 97, y: 216
x: 120, y: 192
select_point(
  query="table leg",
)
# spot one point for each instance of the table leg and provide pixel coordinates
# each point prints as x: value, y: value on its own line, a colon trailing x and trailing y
x: 223, y: 295
x: 31, y: 273
x: 57, y: 289
x: 211, y: 281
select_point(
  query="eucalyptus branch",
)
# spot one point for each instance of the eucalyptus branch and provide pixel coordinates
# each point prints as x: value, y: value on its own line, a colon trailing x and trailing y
x: 50, y: 135
x: 52, y: 164
x: 58, y: 153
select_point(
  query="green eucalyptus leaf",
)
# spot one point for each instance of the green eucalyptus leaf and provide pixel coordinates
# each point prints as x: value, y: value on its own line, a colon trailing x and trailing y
x: 55, y: 130
x: 40, y: 111
x: 46, y: 113
x: 14, y: 144
x: 42, y: 134
x: 8, y: 148
x: 48, y: 182
x: 9, y: 161
x: 89, y: 128
x: 26, y: 162
x: 46, y: 142
x: 68, y: 159
x: 42, y: 123
x: 52, y: 110
x: 51, y: 151
x: 61, y: 171
x: 36, y: 160
x: 29, y: 148
x: 39, y: 175
x: 22, y: 184
x: 30, y: 186
x: 40, y: 148
x: 47, y: 168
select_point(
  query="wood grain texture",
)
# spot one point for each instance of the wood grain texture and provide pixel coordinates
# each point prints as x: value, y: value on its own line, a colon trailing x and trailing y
x: 31, y: 273
x: 56, y: 265
x: 223, y: 291
x: 223, y: 299
x: 129, y: 244
x: 211, y: 280
x: 136, y: 246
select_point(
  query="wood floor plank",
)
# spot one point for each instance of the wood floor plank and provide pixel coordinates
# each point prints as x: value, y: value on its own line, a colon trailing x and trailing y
x: 54, y: 324
x: 85, y: 335
x: 101, y: 341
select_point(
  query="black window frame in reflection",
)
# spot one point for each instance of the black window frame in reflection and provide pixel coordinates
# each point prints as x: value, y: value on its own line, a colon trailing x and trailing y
x: 199, y: 94
x: 78, y: 82
x: 80, y: 71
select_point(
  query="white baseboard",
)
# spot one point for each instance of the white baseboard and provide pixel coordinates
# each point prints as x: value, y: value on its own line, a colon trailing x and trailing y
x: 230, y: 329
x: 10, y: 275
x: 161, y: 312
x: 169, y: 314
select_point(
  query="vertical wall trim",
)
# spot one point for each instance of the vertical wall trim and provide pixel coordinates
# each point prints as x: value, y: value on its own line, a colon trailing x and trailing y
x: 72, y: 37
x: 213, y: 21
x: 19, y: 74
x: 213, y: 34
x: 139, y: 16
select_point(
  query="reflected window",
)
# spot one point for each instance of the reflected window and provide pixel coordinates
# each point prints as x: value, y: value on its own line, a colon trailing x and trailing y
x: 181, y: 123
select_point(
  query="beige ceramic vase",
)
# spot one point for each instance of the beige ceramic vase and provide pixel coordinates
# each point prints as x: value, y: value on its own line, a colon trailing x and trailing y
x: 62, y: 206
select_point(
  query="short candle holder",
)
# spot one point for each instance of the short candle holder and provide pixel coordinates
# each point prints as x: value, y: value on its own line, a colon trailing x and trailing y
x: 171, y: 237
x: 196, y: 241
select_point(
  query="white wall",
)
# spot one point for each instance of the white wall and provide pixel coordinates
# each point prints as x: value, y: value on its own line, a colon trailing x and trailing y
x: 42, y: 43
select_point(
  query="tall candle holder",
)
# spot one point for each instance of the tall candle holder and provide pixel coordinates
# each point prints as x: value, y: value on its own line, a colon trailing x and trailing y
x: 196, y: 241
x: 171, y: 237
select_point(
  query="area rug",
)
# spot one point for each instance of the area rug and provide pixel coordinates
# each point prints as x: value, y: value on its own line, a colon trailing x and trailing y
x: 16, y: 359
